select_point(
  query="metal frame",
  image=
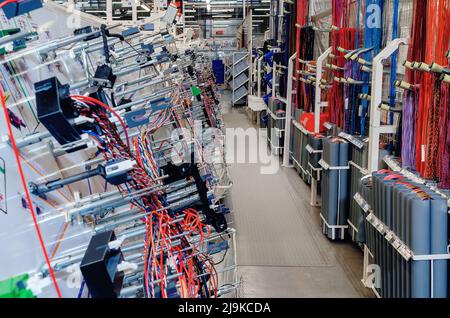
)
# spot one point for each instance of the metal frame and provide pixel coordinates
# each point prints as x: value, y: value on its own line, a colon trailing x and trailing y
x: 290, y: 92
x: 318, y: 102
x: 376, y: 129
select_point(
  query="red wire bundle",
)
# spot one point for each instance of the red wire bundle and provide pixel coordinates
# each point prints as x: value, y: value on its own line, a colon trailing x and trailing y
x: 416, y: 52
x: 160, y: 251
x: 345, y: 38
x: 302, y: 13
x: 430, y: 42
x: 444, y: 137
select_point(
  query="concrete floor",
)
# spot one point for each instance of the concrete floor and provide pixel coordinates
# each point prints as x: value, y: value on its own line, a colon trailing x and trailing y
x: 281, y: 249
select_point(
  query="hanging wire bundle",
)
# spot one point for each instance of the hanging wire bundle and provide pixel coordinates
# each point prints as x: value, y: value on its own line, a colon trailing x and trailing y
x: 342, y: 36
x: 373, y: 35
x: 302, y: 18
x: 440, y: 42
x: 415, y: 53
x: 444, y: 137
x: 306, y: 53
x: 425, y: 112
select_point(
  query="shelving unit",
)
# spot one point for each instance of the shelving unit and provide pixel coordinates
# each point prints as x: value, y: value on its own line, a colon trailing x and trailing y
x: 239, y: 78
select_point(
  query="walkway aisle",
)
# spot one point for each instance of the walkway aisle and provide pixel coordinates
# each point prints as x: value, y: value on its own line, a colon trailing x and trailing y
x: 281, y: 250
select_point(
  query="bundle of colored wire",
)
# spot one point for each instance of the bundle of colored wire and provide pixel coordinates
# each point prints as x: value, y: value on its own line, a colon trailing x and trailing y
x: 351, y: 69
x: 441, y: 9
x: 306, y: 53
x: 393, y: 77
x: 345, y: 38
x: 302, y: 13
x: 416, y: 51
x: 372, y: 39
x: 342, y: 35
x: 436, y: 35
x: 160, y: 253
x: 353, y: 126
x: 444, y: 137
x: 408, y: 123
x: 285, y: 45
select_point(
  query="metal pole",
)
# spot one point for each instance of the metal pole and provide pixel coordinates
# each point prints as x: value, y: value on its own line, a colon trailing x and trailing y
x: 318, y: 102
x: 287, y: 132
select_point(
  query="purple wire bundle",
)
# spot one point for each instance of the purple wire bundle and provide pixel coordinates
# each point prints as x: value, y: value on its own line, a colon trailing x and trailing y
x: 444, y: 137
x: 408, y: 133
x: 347, y: 109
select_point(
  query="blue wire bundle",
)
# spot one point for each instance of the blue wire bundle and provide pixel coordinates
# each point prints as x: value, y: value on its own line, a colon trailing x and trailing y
x: 373, y: 34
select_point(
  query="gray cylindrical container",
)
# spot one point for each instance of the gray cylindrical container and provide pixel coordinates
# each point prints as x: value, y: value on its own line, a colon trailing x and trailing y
x: 420, y: 244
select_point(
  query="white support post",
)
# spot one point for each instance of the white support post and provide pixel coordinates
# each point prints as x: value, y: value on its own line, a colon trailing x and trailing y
x: 274, y: 80
x: 318, y: 101
x: 313, y: 198
x: 376, y: 99
x: 288, y: 124
x: 109, y: 12
x: 134, y: 15
x: 258, y: 75
x: 184, y: 15
x: 366, y: 267
x: 250, y: 47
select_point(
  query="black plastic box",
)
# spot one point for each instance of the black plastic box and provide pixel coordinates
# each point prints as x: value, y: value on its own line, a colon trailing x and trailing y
x: 99, y: 267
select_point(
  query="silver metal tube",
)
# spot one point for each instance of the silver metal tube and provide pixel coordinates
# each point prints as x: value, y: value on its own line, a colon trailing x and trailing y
x: 132, y: 290
x: 146, y: 99
x: 155, y: 82
x: 13, y: 37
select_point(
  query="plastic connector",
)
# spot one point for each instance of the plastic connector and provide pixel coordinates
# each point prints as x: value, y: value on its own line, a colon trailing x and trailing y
x: 20, y: 7
x: 55, y: 110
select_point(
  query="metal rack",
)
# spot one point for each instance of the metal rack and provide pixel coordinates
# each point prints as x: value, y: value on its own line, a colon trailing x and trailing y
x: 240, y: 76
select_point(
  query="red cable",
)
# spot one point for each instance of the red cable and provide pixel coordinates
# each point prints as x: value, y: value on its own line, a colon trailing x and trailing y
x: 99, y: 103
x: 27, y: 193
x: 7, y: 2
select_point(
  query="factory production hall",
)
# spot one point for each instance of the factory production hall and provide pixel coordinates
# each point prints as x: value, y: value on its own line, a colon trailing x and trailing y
x: 281, y: 248
x: 213, y: 157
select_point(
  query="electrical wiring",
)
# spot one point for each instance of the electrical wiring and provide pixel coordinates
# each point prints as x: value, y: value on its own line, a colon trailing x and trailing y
x: 345, y: 38
x: 80, y: 292
x: 161, y: 255
x: 416, y: 52
x: 55, y: 248
x: 425, y: 111
x: 444, y: 137
x: 27, y: 194
x: 438, y: 46
x: 168, y: 205
x: 99, y: 103
x: 372, y: 39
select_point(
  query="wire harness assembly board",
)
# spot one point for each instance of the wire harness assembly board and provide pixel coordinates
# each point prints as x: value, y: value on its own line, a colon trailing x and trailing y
x: 114, y: 145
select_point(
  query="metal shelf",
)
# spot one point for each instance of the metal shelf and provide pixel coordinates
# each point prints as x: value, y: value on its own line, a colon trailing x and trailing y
x: 239, y: 76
